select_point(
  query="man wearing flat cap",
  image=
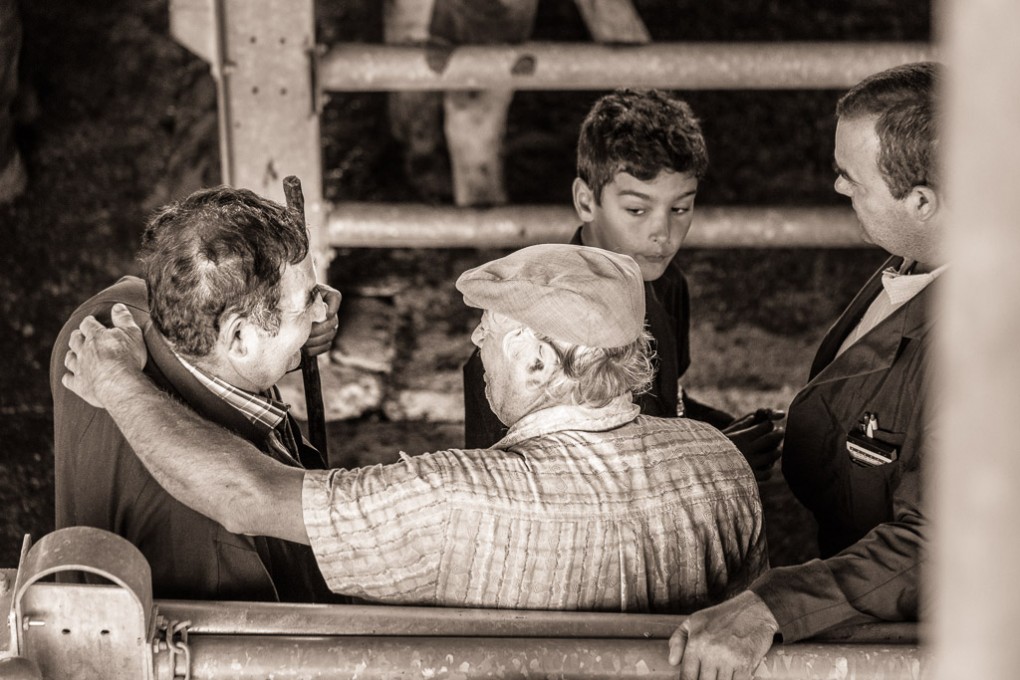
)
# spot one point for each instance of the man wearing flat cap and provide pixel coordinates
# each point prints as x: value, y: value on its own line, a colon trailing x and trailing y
x: 584, y: 505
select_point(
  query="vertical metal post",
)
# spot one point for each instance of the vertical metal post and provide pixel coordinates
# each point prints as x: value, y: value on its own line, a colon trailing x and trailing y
x: 975, y: 590
x: 269, y: 104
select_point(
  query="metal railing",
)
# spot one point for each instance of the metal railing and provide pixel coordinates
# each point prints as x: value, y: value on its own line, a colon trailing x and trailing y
x: 271, y: 76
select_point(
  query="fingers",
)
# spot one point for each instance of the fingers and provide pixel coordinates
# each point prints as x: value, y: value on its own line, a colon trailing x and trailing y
x: 768, y: 414
x: 320, y: 339
x: 690, y: 668
x: 89, y: 327
x: 766, y: 458
x: 71, y: 361
x: 677, y: 644
x: 121, y: 317
x: 690, y: 664
x: 763, y: 416
x: 332, y: 297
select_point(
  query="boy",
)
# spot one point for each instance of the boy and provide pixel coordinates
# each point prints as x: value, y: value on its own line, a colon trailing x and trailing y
x: 640, y: 157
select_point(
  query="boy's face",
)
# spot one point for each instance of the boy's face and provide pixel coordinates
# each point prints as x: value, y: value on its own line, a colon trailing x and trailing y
x: 647, y: 220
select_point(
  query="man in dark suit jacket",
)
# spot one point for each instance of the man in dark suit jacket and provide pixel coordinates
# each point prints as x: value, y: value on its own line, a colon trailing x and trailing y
x: 856, y: 434
x: 233, y: 299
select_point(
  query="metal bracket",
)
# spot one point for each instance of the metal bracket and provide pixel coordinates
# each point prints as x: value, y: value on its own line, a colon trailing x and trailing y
x: 98, y: 629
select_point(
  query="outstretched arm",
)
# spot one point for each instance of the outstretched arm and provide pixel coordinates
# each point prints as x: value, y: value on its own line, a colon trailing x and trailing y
x: 202, y: 465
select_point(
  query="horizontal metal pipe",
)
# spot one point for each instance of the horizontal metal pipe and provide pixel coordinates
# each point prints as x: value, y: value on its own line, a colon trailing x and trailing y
x: 406, y: 225
x: 217, y: 656
x: 591, y: 66
x: 276, y: 618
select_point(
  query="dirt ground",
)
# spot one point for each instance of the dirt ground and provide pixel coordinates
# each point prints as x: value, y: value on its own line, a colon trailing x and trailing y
x: 116, y: 119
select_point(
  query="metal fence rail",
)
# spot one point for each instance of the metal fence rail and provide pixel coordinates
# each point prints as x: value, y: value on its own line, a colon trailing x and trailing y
x: 270, y: 74
x: 587, y: 66
x: 422, y: 226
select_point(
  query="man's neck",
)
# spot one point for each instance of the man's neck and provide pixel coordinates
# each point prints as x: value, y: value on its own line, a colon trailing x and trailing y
x: 215, y: 367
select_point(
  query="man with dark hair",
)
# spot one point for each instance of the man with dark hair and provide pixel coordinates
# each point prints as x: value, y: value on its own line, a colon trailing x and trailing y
x: 640, y: 157
x: 585, y: 504
x: 857, y: 433
x: 228, y: 301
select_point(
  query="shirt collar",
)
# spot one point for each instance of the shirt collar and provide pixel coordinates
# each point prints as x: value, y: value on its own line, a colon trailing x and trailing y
x: 258, y: 409
x: 619, y: 411
x: 900, y: 286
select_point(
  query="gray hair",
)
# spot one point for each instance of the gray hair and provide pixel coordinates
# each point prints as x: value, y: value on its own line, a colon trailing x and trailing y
x: 594, y: 376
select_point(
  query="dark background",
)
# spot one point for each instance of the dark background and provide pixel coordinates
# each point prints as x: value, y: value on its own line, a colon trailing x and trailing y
x: 117, y: 119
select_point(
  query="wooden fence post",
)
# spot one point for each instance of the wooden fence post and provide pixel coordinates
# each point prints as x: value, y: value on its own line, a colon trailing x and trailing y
x: 263, y: 55
x: 974, y: 589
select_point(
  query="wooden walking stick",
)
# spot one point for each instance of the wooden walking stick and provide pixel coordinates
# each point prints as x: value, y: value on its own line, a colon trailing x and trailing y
x: 309, y: 364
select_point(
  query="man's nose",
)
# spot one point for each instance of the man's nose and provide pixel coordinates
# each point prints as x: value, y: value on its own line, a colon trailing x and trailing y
x: 841, y: 186
x: 477, y: 336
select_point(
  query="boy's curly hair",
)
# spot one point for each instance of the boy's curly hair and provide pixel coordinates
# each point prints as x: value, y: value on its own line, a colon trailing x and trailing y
x: 641, y: 132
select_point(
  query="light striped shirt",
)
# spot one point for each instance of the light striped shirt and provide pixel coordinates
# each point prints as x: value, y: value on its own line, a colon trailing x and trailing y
x: 575, y: 509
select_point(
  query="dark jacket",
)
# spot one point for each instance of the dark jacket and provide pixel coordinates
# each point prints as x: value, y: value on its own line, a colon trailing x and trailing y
x: 667, y: 313
x: 871, y: 526
x: 101, y: 483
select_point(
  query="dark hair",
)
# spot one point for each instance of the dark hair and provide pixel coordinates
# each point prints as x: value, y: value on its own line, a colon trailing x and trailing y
x: 904, y: 100
x: 217, y: 251
x: 641, y: 132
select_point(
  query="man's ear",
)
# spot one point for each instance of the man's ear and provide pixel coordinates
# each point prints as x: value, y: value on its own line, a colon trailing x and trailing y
x: 541, y: 365
x: 235, y: 336
x: 923, y: 202
x: 584, y: 200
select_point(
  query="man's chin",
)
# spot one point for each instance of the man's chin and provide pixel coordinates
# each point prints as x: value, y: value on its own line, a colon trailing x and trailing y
x: 653, y: 271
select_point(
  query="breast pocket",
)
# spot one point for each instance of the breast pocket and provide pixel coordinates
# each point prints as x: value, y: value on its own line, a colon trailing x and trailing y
x: 874, y: 472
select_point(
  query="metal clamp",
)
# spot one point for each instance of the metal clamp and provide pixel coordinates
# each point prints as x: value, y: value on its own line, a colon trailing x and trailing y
x: 172, y: 637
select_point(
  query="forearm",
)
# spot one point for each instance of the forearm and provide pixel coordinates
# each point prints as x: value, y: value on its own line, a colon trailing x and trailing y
x: 878, y: 577
x: 204, y: 466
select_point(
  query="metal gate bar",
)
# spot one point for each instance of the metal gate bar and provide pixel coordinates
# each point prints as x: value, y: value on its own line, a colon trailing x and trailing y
x: 274, y: 618
x: 589, y: 66
x: 224, y: 656
x: 407, y: 225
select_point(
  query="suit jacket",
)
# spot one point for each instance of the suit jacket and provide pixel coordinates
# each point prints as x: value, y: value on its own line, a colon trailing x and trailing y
x: 101, y: 483
x: 871, y: 525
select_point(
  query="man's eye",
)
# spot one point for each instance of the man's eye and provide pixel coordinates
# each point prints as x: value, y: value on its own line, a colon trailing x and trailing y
x: 680, y: 209
x: 635, y: 211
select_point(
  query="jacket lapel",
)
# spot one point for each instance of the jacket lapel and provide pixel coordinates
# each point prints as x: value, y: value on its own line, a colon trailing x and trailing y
x: 849, y: 319
x: 878, y: 349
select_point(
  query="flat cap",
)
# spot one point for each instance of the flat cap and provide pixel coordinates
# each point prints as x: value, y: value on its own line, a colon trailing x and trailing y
x: 575, y: 294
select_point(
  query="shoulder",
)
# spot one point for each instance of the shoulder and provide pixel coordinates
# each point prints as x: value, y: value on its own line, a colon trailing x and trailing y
x: 701, y: 446
x: 129, y: 290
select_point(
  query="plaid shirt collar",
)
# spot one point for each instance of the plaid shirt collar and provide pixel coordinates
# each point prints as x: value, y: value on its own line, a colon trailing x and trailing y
x: 259, y: 409
x: 617, y: 412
